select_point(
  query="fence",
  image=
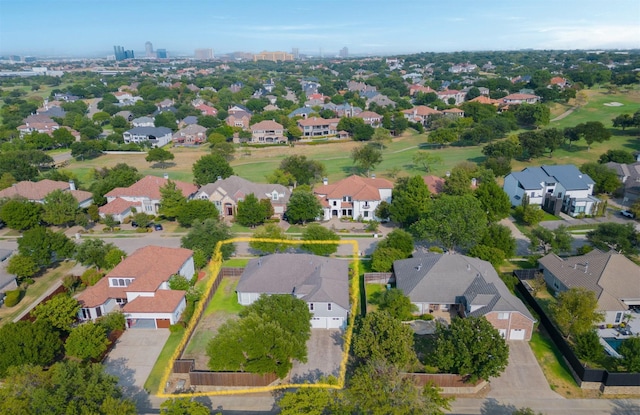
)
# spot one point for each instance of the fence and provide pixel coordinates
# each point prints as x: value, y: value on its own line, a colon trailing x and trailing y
x: 26, y: 316
x: 379, y: 278
x: 183, y: 365
x: 580, y: 372
x: 230, y: 379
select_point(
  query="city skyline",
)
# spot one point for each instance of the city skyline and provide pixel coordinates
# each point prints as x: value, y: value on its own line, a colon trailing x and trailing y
x: 91, y: 28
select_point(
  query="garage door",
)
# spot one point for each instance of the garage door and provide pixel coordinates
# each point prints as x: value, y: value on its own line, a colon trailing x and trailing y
x: 318, y: 323
x: 142, y: 323
x: 163, y: 323
x: 335, y: 322
x: 517, y: 334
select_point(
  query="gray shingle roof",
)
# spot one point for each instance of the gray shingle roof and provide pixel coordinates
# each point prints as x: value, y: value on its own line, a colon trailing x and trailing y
x: 452, y: 279
x: 310, y: 277
x: 154, y: 131
x: 570, y: 177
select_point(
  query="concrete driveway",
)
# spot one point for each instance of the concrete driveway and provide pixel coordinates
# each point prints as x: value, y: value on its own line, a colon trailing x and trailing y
x: 132, y: 359
x: 523, y: 377
x: 324, y: 353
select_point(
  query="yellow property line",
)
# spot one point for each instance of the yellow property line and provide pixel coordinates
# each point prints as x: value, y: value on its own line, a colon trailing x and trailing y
x: 214, y: 267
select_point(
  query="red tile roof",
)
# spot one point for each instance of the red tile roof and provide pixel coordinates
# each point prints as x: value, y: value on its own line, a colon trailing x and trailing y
x: 117, y: 206
x: 485, y: 100
x: 434, y: 183
x: 359, y: 188
x: 368, y: 114
x: 99, y: 294
x: 33, y: 190
x: 266, y: 125
x: 149, y: 186
x: 163, y: 301
x: 421, y: 110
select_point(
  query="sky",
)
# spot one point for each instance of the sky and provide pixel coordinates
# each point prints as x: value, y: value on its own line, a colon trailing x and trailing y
x: 93, y: 27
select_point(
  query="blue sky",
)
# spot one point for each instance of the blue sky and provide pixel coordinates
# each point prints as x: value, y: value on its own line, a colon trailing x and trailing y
x: 92, y: 27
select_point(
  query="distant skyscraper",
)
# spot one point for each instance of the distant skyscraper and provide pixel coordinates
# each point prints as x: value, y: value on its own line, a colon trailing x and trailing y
x: 121, y: 54
x: 203, y: 54
x: 344, y: 52
x: 148, y: 48
x: 161, y: 54
x: 296, y: 53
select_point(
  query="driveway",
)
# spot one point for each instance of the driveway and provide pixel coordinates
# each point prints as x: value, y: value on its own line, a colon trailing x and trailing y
x: 324, y: 354
x: 132, y: 359
x: 523, y: 377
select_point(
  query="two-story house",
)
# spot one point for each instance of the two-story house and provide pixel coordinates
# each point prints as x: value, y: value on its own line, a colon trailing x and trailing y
x: 156, y: 136
x: 267, y: 132
x: 554, y: 188
x: 37, y: 191
x: 354, y: 197
x: 520, y: 99
x: 370, y: 118
x: 318, y: 127
x: 192, y: 134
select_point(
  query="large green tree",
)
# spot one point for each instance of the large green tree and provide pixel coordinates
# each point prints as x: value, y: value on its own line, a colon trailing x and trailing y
x: 494, y: 200
x: 471, y: 347
x: 60, y: 208
x: 411, y: 198
x: 366, y: 157
x: 87, y: 342
x: 250, y: 211
x: 172, y: 200
x: 453, y: 221
x: 93, y: 252
x: 45, y: 246
x: 630, y: 351
x: 303, y: 170
x: 606, y: 178
x: 107, y: 179
x: 273, y: 232
x: 575, y: 311
x: 621, y: 237
x: 22, y: 266
x: 303, y: 207
x: 315, y: 232
x: 24, y: 343
x: 398, y: 305
x: 160, y: 155
x: 204, y: 235
x: 183, y: 406
x: 211, y: 167
x: 558, y: 240
x: 20, y: 214
x: 61, y: 311
x: 196, y: 209
x: 382, y: 337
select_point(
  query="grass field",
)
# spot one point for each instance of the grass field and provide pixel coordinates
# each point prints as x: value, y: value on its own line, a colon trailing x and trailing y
x: 553, y: 366
x: 153, y: 381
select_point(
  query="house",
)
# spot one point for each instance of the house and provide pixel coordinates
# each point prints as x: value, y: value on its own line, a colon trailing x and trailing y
x: 381, y: 100
x: 629, y: 175
x: 456, y: 96
x: 303, y: 112
x: 145, y: 193
x: 420, y: 114
x: 323, y: 283
x: 414, y: 89
x: 51, y: 109
x: 156, y: 136
x: 434, y: 183
x: 370, y: 118
x: 226, y: 193
x: 316, y: 99
x: 485, y: 100
x: 520, y: 99
x: 267, y: 132
x: 143, y: 122
x: 239, y: 119
x: 139, y: 287
x: 558, y: 81
x: 468, y: 286
x: 206, y: 109
x: 453, y: 113
x: 354, y: 197
x: 37, y: 191
x: 612, y: 277
x: 192, y: 134
x: 7, y: 281
x: 463, y: 68
x: 342, y: 110
x: 37, y: 123
x: 318, y: 127
x: 126, y: 98
x: 554, y: 188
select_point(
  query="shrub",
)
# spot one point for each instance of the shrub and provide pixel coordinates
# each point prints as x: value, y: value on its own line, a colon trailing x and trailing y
x: 12, y: 297
x: 174, y: 328
x: 112, y: 321
x: 436, y: 249
x: 426, y: 317
x: 71, y: 282
x: 91, y: 276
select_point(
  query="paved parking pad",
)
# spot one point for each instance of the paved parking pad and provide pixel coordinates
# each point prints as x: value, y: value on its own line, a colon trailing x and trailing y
x: 132, y: 359
x: 324, y: 354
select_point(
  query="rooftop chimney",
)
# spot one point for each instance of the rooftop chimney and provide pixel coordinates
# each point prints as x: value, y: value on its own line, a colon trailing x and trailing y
x: 72, y: 185
x: 325, y: 181
x: 373, y: 175
x: 166, y: 176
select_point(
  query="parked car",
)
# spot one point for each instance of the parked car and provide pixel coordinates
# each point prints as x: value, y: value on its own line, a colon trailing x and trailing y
x: 134, y: 224
x: 157, y: 227
x: 627, y: 213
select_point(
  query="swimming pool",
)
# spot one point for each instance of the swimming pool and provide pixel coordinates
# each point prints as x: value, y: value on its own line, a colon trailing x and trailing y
x: 613, y: 342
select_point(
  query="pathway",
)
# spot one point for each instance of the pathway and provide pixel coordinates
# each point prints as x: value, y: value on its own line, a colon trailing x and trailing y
x: 522, y: 242
x: 565, y: 114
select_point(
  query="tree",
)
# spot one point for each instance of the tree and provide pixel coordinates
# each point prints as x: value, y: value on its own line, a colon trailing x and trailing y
x: 172, y: 200
x: 382, y: 337
x: 382, y: 258
x: 623, y: 121
x: 411, y: 198
x: 196, y: 209
x: 493, y: 200
x: 22, y: 266
x: 443, y: 136
x: 160, y: 155
x: 488, y: 253
x: 366, y: 157
x: 621, y: 237
x: 381, y: 136
x: 400, y: 240
x: 537, y: 115
x: 211, y: 167
x: 121, y: 175
x: 379, y: 388
x: 398, y: 305
x: 588, y: 347
x: 454, y: 221
x: 204, y: 235
x: 92, y: 252
x: 24, y: 343
x: 7, y: 180
x: 499, y: 237
x: 166, y: 119
x: 270, y: 333
x: 606, y: 178
x: 68, y: 387
x: 113, y: 257
x: 303, y: 207
x: 20, y: 214
x: 630, y: 351
x: 60, y: 208
x: 183, y: 406
x: 315, y: 232
x: 617, y: 156
x: 557, y: 240
x: 304, y: 171
x: 471, y: 347
x: 45, y: 246
x: 426, y: 160
x: 310, y: 401
x: 61, y: 311
x: 575, y: 311
x: 225, y: 149
x: 87, y: 342
x: 250, y: 211
x: 270, y: 231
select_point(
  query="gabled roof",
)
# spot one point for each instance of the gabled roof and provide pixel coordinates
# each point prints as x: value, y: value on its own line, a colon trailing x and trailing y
x: 368, y: 114
x: 163, y: 301
x: 434, y: 183
x: 518, y: 97
x: 359, y: 188
x: 149, y: 186
x: 611, y: 276
x: 117, y: 206
x: 309, y: 277
x: 154, y: 131
x: 191, y: 129
x: 567, y: 175
x: 485, y: 100
x: 34, y: 190
x: 421, y: 110
x: 449, y: 278
x: 237, y: 188
x: 266, y: 125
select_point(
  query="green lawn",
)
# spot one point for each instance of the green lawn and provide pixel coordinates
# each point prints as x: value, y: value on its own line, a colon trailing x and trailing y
x: 235, y: 263
x: 224, y: 299
x: 552, y: 363
x: 153, y: 381
x: 295, y: 229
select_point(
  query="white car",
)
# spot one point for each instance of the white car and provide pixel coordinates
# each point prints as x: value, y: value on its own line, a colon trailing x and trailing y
x: 627, y: 213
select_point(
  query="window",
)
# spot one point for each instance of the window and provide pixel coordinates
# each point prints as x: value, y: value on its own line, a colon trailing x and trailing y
x: 618, y: 317
x: 86, y: 314
x: 365, y: 214
x: 121, y: 282
x: 533, y: 194
x: 346, y: 198
x: 311, y: 306
x: 335, y: 203
x: 98, y: 312
x: 503, y: 316
x: 274, y: 195
x: 329, y: 306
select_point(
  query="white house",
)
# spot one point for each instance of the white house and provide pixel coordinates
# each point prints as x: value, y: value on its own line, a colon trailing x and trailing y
x: 156, y: 136
x: 556, y: 188
x: 354, y: 197
x: 139, y: 287
x: 323, y: 283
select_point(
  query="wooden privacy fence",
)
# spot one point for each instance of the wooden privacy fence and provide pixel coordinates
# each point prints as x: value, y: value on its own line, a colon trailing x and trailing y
x: 206, y: 378
x: 379, y: 278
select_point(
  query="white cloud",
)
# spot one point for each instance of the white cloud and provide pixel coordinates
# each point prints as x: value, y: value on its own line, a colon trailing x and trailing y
x: 589, y: 36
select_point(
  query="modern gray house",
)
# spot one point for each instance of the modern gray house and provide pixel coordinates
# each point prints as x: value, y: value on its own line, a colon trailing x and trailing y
x: 323, y: 283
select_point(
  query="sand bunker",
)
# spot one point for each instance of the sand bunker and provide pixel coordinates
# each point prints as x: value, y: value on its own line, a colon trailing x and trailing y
x: 613, y: 104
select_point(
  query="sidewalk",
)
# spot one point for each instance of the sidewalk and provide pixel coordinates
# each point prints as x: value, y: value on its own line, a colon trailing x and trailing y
x: 522, y: 242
